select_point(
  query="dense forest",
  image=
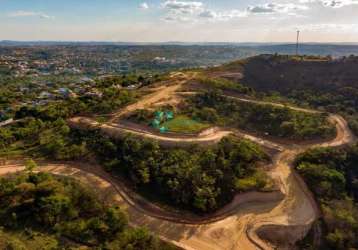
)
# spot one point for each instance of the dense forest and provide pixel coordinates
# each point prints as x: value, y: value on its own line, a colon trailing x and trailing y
x: 42, y: 211
x: 197, y: 179
x: 283, y: 122
x: 332, y: 175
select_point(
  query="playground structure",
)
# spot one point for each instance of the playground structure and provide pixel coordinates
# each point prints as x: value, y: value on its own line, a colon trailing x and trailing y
x: 160, y: 118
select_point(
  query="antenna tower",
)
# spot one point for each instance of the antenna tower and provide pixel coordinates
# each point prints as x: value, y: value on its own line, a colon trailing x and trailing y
x: 297, y: 41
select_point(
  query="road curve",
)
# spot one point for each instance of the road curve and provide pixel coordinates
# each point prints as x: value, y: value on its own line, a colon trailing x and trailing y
x: 292, y: 216
x: 245, y: 226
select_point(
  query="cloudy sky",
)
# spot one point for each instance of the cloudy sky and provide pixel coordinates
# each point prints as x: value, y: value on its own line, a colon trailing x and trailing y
x: 180, y: 20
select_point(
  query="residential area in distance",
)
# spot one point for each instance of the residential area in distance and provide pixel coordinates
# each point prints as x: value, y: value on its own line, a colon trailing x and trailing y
x: 50, y: 71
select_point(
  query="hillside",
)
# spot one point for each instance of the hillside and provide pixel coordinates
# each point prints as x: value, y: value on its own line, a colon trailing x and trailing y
x: 285, y: 73
x: 320, y: 82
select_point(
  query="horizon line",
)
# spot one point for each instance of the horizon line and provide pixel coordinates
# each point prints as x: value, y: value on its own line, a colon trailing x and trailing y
x: 163, y: 42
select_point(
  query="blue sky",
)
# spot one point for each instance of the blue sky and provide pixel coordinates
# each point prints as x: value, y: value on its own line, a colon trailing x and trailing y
x: 179, y: 20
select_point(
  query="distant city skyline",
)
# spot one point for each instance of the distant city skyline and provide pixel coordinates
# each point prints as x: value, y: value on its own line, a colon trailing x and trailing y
x: 179, y: 20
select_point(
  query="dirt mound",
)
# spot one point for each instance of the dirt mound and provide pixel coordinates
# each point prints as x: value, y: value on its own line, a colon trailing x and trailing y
x: 284, y: 237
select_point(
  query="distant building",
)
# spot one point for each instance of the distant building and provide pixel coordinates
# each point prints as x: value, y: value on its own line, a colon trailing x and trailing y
x: 133, y: 86
x: 66, y: 93
x: 85, y: 79
x: 94, y: 93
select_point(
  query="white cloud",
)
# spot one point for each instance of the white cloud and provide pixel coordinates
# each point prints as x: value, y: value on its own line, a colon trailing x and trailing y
x: 184, y: 7
x: 23, y: 13
x: 338, y: 3
x: 178, y: 18
x: 222, y: 16
x: 332, y: 3
x: 208, y: 14
x: 180, y: 10
x: 270, y: 8
x: 194, y: 11
x: 269, y: 13
x: 144, y: 6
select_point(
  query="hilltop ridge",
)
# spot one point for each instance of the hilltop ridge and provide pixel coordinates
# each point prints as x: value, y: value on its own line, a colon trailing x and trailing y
x: 283, y: 73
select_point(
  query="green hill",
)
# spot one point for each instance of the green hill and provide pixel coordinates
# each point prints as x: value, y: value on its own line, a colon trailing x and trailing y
x: 320, y: 82
x: 284, y: 73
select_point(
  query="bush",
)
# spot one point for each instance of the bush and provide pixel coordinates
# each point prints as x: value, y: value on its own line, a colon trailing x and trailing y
x: 258, y: 181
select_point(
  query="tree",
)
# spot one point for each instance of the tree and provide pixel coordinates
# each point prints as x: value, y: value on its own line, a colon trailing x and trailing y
x: 30, y: 165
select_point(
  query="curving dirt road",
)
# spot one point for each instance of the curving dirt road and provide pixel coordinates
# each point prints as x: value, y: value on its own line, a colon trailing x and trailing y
x: 241, y: 225
x: 163, y: 93
x: 290, y: 218
x: 117, y: 129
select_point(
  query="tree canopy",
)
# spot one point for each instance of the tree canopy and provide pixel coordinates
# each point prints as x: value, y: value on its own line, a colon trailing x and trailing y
x: 198, y: 179
x: 332, y: 175
x: 51, y: 208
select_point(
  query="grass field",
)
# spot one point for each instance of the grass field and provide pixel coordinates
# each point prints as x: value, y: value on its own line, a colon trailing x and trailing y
x: 183, y: 124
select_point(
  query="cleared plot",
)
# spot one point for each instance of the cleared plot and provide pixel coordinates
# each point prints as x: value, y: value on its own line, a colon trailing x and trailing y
x: 184, y: 124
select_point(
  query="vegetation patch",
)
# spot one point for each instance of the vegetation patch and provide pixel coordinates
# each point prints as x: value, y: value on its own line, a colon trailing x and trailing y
x: 320, y: 82
x: 27, y: 240
x: 38, y: 138
x: 332, y: 175
x: 198, y: 179
x: 167, y: 120
x: 183, y: 124
x: 214, y: 108
x: 39, y: 211
x: 257, y: 181
x: 223, y: 84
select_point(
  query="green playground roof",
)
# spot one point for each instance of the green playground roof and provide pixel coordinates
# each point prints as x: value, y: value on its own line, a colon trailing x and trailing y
x: 155, y: 123
x: 169, y: 114
x: 159, y: 114
x: 163, y: 130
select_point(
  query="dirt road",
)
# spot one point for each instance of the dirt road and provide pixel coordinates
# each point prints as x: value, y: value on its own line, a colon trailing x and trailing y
x: 118, y: 129
x: 291, y: 216
x: 244, y: 226
x: 163, y: 93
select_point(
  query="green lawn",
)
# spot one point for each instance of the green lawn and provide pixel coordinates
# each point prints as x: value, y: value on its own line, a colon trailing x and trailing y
x: 184, y: 124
